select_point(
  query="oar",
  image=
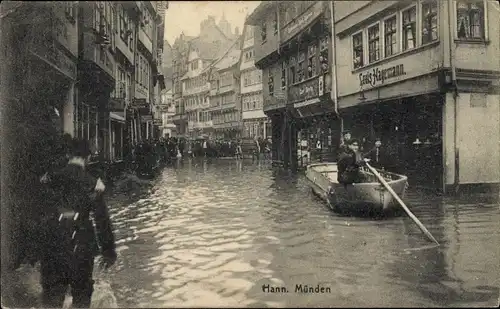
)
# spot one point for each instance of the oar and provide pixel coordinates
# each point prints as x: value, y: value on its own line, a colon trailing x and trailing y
x: 410, y: 214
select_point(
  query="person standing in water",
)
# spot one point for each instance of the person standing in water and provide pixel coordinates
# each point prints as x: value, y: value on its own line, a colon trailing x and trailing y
x: 71, y: 239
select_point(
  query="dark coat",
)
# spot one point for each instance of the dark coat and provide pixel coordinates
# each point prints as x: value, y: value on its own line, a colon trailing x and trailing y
x: 348, y: 166
x: 72, y: 189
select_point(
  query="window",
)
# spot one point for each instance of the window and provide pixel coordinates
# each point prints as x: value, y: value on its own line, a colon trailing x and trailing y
x: 357, y: 46
x: 374, y: 43
x: 390, y: 33
x: 275, y: 23
x: 301, y: 74
x: 137, y: 69
x: 246, y: 80
x: 470, y: 20
x: 70, y: 10
x: 311, y: 61
x: 263, y: 32
x: 124, y: 26
x: 409, y: 28
x: 292, y: 72
x: 248, y: 55
x: 97, y: 16
x: 283, y: 75
x: 129, y: 83
x: 270, y: 82
x: 429, y: 22
x: 114, y: 19
x: 323, y: 55
x: 249, y: 33
x: 130, y: 34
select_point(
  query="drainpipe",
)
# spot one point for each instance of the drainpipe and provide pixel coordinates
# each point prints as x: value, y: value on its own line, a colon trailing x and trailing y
x: 455, y: 95
x: 278, y: 25
x: 334, y: 63
x: 334, y: 94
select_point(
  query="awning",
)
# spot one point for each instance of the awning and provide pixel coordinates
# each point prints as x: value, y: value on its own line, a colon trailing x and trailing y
x: 316, y: 106
x: 117, y: 116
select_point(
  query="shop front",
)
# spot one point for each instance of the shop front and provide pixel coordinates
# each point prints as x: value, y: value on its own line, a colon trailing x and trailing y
x: 400, y: 103
x: 256, y: 127
x: 275, y: 110
x: 318, y: 128
x: 227, y: 131
x: 117, y: 128
x: 140, y: 116
x: 410, y: 130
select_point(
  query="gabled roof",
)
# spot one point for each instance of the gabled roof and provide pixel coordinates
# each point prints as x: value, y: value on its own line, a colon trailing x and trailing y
x: 259, y: 12
x: 230, y: 57
x: 206, y: 50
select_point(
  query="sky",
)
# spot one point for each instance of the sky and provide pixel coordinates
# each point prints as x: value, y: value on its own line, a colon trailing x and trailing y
x: 185, y: 16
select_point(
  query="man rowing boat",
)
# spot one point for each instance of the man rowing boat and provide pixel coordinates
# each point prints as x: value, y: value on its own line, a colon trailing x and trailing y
x: 350, y: 160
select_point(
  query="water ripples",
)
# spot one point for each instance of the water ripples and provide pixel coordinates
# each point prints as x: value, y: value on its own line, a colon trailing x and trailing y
x: 214, y: 234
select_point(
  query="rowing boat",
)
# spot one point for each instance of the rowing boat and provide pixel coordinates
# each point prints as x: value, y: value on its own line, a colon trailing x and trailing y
x: 369, y: 195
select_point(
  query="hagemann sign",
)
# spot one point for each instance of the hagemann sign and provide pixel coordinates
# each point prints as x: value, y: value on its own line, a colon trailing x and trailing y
x: 380, y: 75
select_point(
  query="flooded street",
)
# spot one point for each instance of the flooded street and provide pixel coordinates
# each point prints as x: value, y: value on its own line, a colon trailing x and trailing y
x: 214, y: 234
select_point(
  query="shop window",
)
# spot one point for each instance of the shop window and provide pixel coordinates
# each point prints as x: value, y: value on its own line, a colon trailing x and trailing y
x: 390, y: 34
x: 470, y: 20
x: 429, y: 22
x: 357, y: 46
x: 283, y: 75
x: 93, y: 130
x: 311, y: 61
x: 409, y: 28
x: 374, y: 43
x: 292, y: 71
x: 263, y: 32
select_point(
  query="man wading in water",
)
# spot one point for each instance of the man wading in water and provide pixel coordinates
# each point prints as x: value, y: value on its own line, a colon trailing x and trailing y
x: 69, y: 237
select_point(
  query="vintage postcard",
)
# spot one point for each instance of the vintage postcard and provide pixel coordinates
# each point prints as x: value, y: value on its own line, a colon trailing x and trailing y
x: 194, y: 154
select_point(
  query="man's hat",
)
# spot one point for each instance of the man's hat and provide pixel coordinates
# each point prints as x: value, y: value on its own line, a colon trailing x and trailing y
x: 352, y: 141
x: 346, y: 132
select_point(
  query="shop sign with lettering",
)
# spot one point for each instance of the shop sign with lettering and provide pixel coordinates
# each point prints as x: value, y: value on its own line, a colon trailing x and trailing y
x: 302, y: 21
x: 157, y: 122
x: 140, y: 104
x: 305, y: 91
x: 272, y: 103
x: 379, y: 76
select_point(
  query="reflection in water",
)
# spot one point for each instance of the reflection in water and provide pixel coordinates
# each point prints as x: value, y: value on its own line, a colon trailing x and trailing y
x: 213, y: 233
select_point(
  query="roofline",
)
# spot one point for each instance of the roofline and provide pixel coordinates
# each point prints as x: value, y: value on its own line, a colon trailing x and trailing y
x: 259, y: 12
x: 238, y: 40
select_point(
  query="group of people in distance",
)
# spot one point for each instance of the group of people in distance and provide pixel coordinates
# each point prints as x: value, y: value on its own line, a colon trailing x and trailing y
x: 351, y: 159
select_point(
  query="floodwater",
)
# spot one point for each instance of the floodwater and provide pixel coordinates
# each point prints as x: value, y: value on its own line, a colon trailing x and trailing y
x: 214, y: 234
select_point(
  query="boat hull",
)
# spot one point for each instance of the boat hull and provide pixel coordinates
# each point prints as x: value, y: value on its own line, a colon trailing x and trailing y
x: 366, y: 196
